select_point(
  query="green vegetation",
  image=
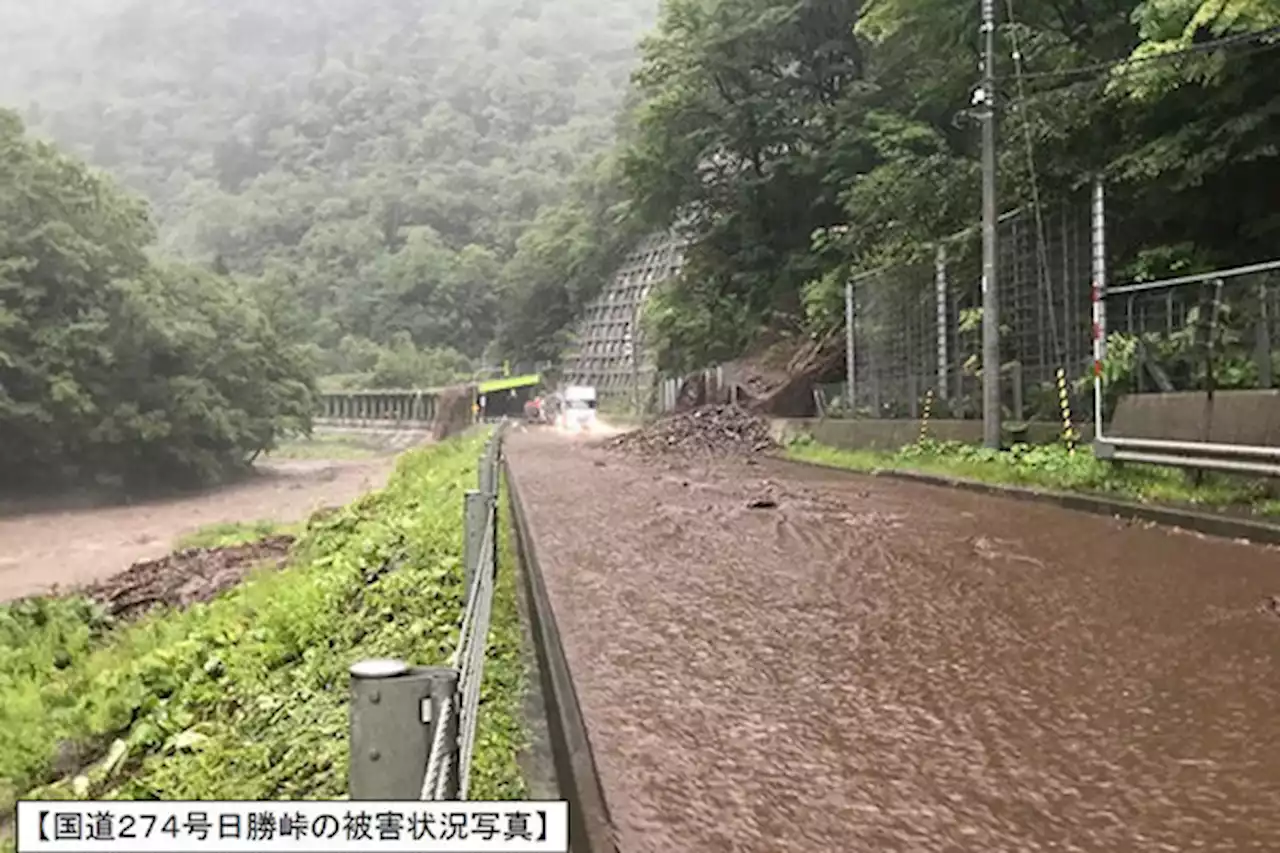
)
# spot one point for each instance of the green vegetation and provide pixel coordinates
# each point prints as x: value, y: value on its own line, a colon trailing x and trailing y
x: 502, y: 736
x: 409, y: 191
x: 1050, y: 467
x: 799, y: 142
x: 234, y: 533
x: 322, y: 446
x: 114, y: 367
x: 244, y: 697
x: 367, y: 167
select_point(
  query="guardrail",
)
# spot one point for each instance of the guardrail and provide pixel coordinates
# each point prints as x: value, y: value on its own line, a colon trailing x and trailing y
x: 413, y: 728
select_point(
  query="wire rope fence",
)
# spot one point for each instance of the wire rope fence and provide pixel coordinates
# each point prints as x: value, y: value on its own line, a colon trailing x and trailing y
x: 413, y: 728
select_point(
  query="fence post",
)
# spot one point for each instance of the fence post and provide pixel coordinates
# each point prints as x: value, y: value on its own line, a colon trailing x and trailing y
x: 1015, y: 380
x: 485, y: 472
x: 940, y: 296
x: 850, y: 366
x: 1098, y: 250
x: 476, y: 507
x: 388, y: 739
x: 1262, y: 351
x: 495, y: 480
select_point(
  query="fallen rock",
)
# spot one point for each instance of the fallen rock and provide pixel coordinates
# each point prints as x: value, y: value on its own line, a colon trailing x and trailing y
x: 718, y: 430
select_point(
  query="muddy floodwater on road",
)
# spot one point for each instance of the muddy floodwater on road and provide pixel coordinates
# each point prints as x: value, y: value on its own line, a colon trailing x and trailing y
x: 861, y: 665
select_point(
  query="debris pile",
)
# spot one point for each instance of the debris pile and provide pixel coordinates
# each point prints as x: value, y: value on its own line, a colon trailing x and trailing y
x: 184, y: 577
x: 713, y: 430
x: 453, y: 412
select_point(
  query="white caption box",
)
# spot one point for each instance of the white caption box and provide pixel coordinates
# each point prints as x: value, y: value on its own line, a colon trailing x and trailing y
x: 98, y: 826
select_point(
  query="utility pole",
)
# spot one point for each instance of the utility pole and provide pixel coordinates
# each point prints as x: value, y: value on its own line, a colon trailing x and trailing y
x: 991, y: 431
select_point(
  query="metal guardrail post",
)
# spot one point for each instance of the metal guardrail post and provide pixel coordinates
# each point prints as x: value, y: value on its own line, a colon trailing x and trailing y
x: 389, y: 741
x: 476, y: 510
x: 396, y: 709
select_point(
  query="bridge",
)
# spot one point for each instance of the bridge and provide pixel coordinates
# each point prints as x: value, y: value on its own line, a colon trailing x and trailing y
x: 383, y: 407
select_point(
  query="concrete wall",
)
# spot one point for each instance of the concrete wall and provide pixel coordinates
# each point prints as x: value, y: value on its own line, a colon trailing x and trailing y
x: 875, y: 434
x: 1235, y: 417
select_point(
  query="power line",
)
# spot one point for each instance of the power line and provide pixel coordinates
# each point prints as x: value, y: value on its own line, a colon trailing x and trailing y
x: 1042, y: 250
x: 1085, y: 84
x: 1168, y: 56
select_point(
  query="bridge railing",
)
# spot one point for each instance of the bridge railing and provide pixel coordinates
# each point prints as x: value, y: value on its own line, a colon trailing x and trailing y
x: 386, y: 405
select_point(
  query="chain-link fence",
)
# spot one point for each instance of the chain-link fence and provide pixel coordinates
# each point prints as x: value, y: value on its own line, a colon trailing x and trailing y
x: 413, y: 728
x: 1210, y: 331
x: 918, y: 327
x: 1188, y: 370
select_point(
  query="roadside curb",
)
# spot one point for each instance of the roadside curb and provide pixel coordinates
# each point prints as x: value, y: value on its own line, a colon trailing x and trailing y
x: 590, y: 826
x: 1258, y: 532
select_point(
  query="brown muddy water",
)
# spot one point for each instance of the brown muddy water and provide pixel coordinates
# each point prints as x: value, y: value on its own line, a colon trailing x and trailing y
x: 883, y: 666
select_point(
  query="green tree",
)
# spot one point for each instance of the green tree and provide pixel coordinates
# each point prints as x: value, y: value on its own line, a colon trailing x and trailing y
x: 114, y: 366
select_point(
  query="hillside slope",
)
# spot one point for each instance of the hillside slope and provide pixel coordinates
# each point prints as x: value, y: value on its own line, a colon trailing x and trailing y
x: 379, y: 159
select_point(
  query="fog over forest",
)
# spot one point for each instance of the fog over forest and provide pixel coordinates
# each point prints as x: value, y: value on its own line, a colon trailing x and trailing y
x: 377, y: 194
x: 377, y: 161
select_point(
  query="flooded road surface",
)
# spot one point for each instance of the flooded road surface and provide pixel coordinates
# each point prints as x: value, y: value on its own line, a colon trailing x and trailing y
x: 879, y: 666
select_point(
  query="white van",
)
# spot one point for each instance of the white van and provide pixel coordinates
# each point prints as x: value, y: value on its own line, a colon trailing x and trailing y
x: 579, y: 411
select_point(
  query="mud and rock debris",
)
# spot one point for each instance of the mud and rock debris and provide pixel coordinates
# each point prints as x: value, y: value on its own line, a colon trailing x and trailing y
x: 714, y: 430
x: 185, y: 577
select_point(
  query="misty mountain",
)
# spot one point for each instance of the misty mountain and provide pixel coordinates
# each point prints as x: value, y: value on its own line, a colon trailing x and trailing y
x: 382, y: 157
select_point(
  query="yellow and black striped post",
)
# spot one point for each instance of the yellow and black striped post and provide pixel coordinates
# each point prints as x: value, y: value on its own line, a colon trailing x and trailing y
x: 928, y: 407
x: 1068, y: 432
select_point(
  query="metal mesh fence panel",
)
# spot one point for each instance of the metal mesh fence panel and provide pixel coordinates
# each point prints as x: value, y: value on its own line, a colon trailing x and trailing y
x: 1216, y: 331
x: 919, y: 326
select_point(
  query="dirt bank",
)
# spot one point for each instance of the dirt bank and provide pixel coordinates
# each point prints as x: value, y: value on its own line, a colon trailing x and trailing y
x: 185, y: 577
x: 776, y: 659
x: 77, y: 547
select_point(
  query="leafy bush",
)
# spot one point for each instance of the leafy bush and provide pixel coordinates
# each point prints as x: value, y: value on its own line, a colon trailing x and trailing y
x: 245, y: 697
x: 112, y: 366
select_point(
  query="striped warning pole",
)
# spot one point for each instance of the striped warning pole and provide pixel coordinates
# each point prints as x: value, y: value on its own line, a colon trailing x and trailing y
x: 928, y: 408
x: 1097, y: 295
x: 1064, y: 402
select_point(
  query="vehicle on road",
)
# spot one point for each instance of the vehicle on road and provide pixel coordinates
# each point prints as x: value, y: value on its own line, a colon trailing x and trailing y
x: 535, y: 411
x: 578, y: 413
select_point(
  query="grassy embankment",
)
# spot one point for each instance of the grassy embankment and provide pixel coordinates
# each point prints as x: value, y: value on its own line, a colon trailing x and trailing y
x: 245, y: 697
x: 329, y: 447
x: 1052, y: 467
x: 236, y: 533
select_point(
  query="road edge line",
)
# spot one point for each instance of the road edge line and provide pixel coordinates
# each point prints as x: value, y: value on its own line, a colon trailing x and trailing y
x: 590, y: 825
x: 1223, y: 527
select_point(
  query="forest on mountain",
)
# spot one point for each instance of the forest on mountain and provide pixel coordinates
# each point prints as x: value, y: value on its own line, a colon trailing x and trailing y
x: 368, y: 168
x: 116, y: 368
x: 803, y: 141
x: 274, y: 192
x: 405, y: 192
